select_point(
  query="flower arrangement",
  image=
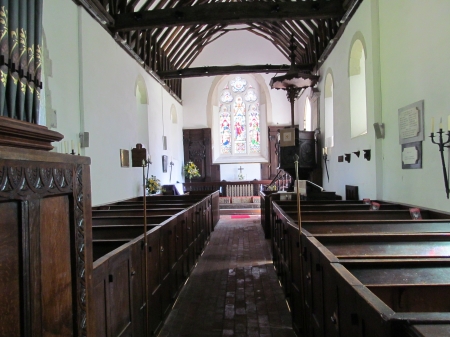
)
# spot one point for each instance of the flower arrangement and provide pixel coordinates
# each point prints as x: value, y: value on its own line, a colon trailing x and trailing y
x: 191, y: 170
x: 153, y: 184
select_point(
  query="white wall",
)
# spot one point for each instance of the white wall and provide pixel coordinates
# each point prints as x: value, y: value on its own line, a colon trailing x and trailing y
x: 229, y: 172
x: 359, y: 171
x: 414, y: 64
x: 234, y: 48
x: 91, y: 83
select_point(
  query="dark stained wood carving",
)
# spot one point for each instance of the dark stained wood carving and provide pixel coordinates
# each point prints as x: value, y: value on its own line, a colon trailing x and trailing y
x: 46, y: 200
x: 197, y: 148
x: 21, y: 134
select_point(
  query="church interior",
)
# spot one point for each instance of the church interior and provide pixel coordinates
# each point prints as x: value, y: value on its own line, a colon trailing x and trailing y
x: 353, y: 91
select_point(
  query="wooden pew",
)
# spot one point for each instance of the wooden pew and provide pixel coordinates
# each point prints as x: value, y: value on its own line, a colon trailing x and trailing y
x: 384, y: 296
x: 286, y: 256
x: 176, y: 238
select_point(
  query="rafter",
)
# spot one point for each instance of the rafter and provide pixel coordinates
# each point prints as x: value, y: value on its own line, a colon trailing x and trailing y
x: 226, y: 70
x: 228, y: 13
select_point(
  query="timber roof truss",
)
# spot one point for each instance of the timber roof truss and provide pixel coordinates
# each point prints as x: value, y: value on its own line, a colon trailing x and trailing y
x: 166, y: 36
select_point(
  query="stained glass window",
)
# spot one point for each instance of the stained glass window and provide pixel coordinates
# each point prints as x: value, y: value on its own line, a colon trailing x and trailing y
x: 239, y: 118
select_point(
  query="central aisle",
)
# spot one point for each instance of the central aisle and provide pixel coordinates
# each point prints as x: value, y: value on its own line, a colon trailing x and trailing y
x: 233, y: 290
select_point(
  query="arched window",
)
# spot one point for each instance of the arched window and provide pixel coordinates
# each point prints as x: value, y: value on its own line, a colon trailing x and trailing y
x: 142, y: 135
x: 307, y: 125
x: 239, y: 117
x: 329, y: 114
x: 173, y: 114
x: 358, y: 106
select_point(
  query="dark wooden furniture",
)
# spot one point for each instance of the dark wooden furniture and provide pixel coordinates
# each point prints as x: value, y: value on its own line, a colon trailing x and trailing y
x: 197, y: 148
x: 270, y: 170
x: 135, y: 286
x: 363, y: 277
x: 45, y: 244
x: 208, y: 187
x: 351, y: 192
x: 318, y: 198
x: 305, y: 150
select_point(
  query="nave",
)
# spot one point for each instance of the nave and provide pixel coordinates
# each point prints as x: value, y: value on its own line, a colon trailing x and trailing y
x: 234, y: 290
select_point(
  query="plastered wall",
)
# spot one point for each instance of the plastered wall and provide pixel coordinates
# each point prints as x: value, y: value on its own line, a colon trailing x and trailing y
x: 91, y: 84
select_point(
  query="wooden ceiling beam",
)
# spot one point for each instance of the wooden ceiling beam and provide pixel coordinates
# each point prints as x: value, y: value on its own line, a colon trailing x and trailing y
x: 226, y: 70
x: 228, y: 13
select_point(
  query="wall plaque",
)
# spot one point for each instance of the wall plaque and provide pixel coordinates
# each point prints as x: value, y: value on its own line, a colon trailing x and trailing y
x: 412, y: 155
x: 410, y: 123
x: 124, y: 158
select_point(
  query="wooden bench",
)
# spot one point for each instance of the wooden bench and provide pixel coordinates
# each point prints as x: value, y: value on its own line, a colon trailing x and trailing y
x: 357, y: 240
x: 384, y: 296
x: 268, y: 197
x: 177, y: 232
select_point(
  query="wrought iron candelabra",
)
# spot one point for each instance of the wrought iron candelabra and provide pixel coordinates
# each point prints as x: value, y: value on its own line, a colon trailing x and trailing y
x: 442, y: 145
x: 325, y: 159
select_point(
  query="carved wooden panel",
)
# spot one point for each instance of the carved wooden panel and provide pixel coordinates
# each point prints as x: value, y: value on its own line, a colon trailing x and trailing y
x: 46, y: 200
x: 270, y: 170
x: 9, y: 271
x: 197, y: 148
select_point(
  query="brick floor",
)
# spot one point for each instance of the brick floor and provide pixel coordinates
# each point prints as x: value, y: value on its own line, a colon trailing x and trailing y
x: 233, y: 291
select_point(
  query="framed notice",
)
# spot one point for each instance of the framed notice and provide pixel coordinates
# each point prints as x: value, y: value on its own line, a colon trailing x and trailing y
x: 412, y: 155
x: 410, y: 123
x: 287, y: 137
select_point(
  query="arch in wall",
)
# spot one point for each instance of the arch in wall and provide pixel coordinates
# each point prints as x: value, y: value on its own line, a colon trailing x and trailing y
x: 141, y: 90
x: 357, y: 80
x: 329, y: 109
x: 141, y: 94
x: 307, y: 117
x: 173, y: 114
x: 212, y: 109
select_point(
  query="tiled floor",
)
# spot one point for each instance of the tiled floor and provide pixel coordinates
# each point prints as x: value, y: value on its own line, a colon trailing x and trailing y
x: 234, y: 290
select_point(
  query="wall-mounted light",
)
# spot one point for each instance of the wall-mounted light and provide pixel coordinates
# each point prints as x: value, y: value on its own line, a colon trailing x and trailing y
x: 325, y: 159
x: 357, y: 153
x: 367, y: 154
x: 379, y: 130
x: 347, y: 157
x: 441, y: 143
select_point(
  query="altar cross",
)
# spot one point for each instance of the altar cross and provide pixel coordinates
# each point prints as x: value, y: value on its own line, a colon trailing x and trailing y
x: 240, y: 169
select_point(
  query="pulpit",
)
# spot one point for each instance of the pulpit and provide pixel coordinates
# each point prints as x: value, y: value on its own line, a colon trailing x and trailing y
x: 305, y: 148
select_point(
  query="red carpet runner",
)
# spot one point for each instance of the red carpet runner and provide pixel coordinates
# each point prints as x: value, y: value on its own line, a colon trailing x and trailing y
x: 240, y: 216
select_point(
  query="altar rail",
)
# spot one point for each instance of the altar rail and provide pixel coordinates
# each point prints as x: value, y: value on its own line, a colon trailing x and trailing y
x: 228, y: 188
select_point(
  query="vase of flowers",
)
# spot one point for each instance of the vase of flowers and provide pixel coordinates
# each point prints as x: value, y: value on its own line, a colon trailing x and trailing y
x: 191, y: 170
x: 153, y: 184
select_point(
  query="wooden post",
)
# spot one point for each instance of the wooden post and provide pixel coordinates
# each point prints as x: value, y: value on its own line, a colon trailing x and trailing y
x: 299, y: 221
x: 144, y: 164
